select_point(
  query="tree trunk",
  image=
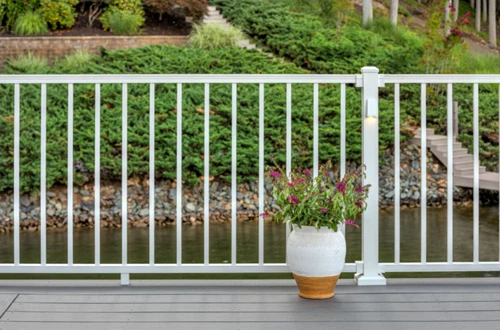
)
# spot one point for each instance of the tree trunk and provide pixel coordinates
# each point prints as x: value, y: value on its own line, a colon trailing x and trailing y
x: 394, y: 12
x: 478, y: 15
x: 367, y: 11
x: 493, y: 23
x: 447, y: 18
x: 455, y: 14
x: 485, y: 10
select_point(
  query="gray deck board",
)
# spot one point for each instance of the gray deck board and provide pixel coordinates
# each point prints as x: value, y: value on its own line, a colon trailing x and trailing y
x: 5, y: 302
x: 255, y: 326
x: 403, y: 304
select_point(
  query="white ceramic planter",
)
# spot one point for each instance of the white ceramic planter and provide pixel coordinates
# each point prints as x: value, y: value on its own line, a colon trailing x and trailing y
x: 316, y: 259
x: 316, y: 253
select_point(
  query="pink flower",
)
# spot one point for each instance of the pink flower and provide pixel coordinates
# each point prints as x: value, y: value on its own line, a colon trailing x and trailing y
x: 341, y: 187
x: 327, y: 173
x: 351, y: 223
x: 264, y: 214
x: 293, y: 200
x: 307, y: 172
x: 275, y: 174
x: 290, y: 184
x: 359, y: 203
x: 272, y: 156
x: 359, y: 190
x: 323, y: 210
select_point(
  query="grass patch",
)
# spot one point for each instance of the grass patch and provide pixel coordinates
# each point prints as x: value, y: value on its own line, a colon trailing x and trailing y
x: 29, y: 63
x: 30, y: 23
x: 214, y: 36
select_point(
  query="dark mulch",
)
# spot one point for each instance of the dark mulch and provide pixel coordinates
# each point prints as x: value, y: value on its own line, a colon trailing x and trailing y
x: 168, y: 26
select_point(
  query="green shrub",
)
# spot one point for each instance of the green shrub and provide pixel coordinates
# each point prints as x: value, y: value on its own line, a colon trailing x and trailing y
x: 315, y: 46
x: 75, y: 62
x: 214, y: 36
x: 133, y: 7
x: 173, y: 60
x: 29, y: 63
x: 123, y: 22
x: 60, y: 14
x: 10, y: 10
x: 30, y: 23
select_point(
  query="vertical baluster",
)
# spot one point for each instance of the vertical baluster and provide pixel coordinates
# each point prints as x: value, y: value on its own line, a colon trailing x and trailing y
x: 124, y: 173
x: 315, y: 129
x: 97, y: 176
x: 179, y: 175
x: 449, y: 222
x: 342, y: 131
x: 70, y: 174
x: 151, y: 174
x: 397, y: 176
x: 17, y: 128
x: 207, y: 178
x: 43, y: 177
x: 261, y: 174
x: 476, y: 173
x: 288, y: 137
x: 423, y: 182
x: 342, y: 138
x: 234, y: 178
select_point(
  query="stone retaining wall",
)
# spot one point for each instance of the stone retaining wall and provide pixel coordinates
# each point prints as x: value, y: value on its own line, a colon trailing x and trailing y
x: 56, y: 47
x: 220, y: 198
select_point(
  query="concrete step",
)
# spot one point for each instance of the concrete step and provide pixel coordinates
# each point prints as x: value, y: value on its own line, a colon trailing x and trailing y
x: 457, y: 159
x: 430, y: 131
x: 444, y: 151
x: 487, y: 180
x: 215, y: 18
x: 468, y: 171
x: 444, y: 143
x: 463, y: 165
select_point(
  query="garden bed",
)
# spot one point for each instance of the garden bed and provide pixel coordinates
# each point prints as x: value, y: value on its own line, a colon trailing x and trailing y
x: 168, y: 26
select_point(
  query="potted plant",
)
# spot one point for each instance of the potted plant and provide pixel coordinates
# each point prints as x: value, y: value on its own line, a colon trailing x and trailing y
x: 317, y: 208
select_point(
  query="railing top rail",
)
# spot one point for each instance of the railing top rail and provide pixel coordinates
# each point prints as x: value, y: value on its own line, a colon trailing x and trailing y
x: 178, y: 78
x: 441, y: 78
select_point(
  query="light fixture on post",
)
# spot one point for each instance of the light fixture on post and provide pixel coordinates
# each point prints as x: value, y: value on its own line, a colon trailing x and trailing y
x: 371, y: 110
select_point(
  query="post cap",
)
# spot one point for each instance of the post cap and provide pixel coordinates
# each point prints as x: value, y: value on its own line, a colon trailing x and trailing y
x: 369, y: 69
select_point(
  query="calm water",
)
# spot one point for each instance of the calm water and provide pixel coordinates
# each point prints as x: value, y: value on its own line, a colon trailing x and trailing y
x: 274, y: 241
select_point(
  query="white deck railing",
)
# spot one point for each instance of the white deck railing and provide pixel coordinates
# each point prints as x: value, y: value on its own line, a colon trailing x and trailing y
x: 368, y: 270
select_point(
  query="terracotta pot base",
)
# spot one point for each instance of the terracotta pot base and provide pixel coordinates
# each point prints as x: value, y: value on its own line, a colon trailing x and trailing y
x: 316, y: 287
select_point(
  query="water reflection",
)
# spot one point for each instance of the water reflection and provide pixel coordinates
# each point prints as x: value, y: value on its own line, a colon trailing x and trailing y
x: 274, y: 241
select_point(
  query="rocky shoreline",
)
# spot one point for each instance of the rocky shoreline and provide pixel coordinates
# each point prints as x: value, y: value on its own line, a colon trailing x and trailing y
x: 220, y: 198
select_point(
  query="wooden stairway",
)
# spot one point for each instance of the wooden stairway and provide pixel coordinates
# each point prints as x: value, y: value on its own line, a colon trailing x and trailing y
x: 463, y: 163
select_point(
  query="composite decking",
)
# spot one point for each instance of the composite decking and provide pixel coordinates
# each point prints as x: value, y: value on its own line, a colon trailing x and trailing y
x: 264, y: 304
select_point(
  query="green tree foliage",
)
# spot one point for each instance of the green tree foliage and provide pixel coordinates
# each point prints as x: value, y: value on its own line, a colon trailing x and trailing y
x: 442, y: 52
x: 59, y: 14
x: 11, y: 9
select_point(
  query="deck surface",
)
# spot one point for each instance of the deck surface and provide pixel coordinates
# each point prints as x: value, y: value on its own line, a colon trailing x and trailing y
x: 266, y: 304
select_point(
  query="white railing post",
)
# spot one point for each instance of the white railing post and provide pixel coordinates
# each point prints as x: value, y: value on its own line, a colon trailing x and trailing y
x: 370, y: 274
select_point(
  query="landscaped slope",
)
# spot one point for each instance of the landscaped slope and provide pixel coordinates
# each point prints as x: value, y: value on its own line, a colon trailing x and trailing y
x: 165, y: 59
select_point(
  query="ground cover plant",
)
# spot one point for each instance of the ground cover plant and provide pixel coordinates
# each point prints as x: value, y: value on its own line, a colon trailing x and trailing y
x: 321, y: 48
x: 167, y: 59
